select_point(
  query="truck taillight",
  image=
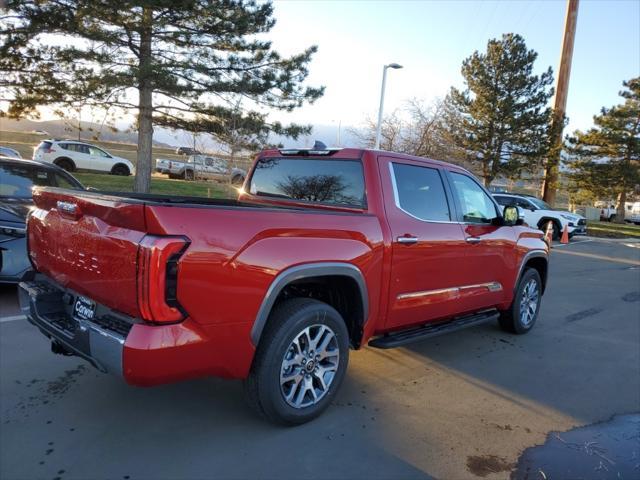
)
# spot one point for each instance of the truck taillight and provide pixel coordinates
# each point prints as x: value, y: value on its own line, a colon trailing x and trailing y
x: 158, y: 278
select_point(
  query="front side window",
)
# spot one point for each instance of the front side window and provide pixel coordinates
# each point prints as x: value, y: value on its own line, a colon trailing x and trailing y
x: 541, y: 204
x: 475, y: 204
x: 420, y: 193
x: 96, y: 152
x: 522, y: 203
x: 336, y: 182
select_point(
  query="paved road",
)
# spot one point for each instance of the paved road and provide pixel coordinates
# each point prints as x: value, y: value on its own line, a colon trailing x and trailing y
x: 459, y: 406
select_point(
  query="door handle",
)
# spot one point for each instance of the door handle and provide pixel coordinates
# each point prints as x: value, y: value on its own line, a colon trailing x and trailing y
x: 474, y: 240
x: 408, y: 240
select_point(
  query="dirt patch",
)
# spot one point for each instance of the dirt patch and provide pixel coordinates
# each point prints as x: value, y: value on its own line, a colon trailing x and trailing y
x: 483, y: 465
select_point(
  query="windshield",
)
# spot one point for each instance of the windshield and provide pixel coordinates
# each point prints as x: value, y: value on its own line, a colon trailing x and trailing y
x: 17, y: 180
x: 541, y: 204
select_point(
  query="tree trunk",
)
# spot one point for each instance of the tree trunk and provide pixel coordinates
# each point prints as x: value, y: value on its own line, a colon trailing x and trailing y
x: 620, y: 207
x: 142, y: 181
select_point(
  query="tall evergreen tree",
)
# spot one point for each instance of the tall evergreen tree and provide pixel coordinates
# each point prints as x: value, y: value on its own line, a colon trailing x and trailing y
x: 500, y: 121
x: 605, y: 160
x: 175, y: 63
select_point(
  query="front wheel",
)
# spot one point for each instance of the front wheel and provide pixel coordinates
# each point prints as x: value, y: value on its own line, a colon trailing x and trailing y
x: 300, y: 362
x: 523, y: 313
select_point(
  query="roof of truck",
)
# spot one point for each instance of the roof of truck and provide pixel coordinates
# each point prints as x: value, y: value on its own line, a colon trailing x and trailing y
x: 348, y: 153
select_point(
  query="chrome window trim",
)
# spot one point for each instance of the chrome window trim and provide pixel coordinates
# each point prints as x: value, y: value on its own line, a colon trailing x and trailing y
x: 396, y: 195
x: 490, y: 286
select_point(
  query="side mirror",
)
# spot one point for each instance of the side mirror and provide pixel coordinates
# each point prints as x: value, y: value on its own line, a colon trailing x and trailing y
x: 511, y: 215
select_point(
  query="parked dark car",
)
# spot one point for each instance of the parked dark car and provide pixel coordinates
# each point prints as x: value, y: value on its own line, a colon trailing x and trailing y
x: 16, y: 179
x: 187, y: 151
x: 9, y: 152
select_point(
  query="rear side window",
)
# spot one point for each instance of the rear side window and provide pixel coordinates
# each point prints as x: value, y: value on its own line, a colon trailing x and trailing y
x: 420, y: 193
x: 44, y: 145
x: 504, y: 201
x: 334, y: 182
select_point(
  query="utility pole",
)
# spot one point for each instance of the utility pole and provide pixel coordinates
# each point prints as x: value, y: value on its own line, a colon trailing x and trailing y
x: 550, y: 182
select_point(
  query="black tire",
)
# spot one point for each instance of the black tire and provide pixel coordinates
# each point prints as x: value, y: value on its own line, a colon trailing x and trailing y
x: 188, y: 174
x: 612, y: 218
x: 66, y: 164
x: 120, y: 170
x: 511, y: 320
x: 288, y: 321
x: 557, y: 230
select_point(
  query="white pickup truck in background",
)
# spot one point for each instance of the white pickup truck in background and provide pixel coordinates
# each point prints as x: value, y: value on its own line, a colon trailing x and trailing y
x: 608, y: 211
x: 201, y: 166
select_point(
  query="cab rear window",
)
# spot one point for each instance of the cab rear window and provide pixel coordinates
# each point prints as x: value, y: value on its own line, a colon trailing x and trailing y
x: 326, y: 181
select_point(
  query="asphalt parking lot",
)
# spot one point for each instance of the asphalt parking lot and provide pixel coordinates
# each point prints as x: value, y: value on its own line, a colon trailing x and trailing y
x: 460, y: 406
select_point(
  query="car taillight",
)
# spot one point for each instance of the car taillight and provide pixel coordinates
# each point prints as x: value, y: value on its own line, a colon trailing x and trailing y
x: 158, y: 278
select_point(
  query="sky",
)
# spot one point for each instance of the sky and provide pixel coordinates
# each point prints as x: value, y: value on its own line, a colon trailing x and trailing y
x: 431, y: 38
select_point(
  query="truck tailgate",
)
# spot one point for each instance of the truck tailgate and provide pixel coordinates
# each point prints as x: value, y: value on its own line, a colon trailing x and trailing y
x: 98, y: 254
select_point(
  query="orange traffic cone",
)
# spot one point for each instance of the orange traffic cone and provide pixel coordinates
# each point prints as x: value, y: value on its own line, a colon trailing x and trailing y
x: 565, y: 235
x: 548, y: 234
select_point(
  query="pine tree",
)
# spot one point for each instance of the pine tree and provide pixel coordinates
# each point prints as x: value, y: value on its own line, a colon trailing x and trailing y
x: 605, y: 160
x: 175, y: 63
x: 500, y: 121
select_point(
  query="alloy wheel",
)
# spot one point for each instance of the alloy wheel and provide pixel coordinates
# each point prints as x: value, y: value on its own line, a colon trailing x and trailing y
x: 529, y: 302
x: 309, y: 366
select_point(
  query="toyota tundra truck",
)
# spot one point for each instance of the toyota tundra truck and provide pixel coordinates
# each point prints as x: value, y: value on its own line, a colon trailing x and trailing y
x: 323, y: 252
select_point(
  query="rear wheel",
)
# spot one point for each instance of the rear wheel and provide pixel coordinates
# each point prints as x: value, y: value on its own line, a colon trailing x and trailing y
x: 65, y: 164
x: 188, y: 174
x: 300, y: 362
x: 523, y: 313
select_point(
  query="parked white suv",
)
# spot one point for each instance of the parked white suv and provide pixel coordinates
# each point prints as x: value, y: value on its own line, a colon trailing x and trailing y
x: 538, y: 213
x: 72, y: 156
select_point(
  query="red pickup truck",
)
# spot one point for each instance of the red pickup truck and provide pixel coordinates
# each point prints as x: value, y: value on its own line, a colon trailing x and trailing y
x: 324, y: 251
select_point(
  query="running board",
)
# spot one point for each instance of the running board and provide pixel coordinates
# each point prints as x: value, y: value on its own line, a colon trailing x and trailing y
x: 403, y: 337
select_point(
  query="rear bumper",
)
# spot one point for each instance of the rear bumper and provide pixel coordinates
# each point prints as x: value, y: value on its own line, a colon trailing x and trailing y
x: 49, y: 309
x: 139, y: 352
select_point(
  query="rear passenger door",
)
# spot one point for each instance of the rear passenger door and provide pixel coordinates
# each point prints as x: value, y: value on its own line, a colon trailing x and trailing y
x: 428, y: 245
x: 490, y: 256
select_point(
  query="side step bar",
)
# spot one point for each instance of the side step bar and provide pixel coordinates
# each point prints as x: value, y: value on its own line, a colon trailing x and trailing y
x: 403, y: 337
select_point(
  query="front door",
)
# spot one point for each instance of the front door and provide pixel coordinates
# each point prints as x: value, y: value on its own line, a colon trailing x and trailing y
x: 428, y: 244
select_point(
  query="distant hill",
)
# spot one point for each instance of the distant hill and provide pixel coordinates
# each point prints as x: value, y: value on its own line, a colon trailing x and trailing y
x: 164, y: 137
x: 90, y: 131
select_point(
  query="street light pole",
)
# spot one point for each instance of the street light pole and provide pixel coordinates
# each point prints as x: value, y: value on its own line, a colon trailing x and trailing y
x: 380, y: 109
